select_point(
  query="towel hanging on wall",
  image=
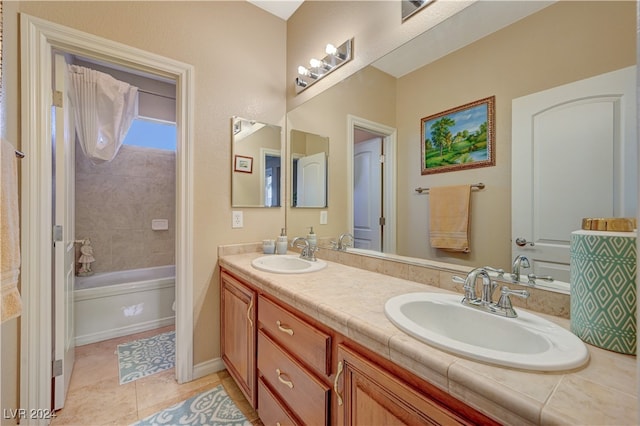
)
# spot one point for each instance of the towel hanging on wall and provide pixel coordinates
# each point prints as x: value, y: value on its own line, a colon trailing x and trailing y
x: 11, y: 303
x: 104, y: 109
x: 449, y: 217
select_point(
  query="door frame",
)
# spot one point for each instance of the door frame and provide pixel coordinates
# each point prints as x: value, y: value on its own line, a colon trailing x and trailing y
x: 39, y: 38
x: 389, y: 201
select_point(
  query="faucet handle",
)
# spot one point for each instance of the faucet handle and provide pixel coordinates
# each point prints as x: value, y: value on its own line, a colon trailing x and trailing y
x: 458, y: 280
x: 534, y: 277
x: 506, y: 291
x: 469, y: 288
x: 504, y: 304
x: 500, y: 272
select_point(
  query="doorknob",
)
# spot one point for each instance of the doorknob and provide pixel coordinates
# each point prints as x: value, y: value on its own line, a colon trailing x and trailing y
x: 521, y: 242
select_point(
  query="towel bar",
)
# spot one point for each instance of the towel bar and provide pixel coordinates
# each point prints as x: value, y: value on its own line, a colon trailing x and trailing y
x: 475, y: 185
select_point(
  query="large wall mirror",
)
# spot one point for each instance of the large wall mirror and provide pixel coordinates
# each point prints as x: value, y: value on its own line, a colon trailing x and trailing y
x: 256, y: 168
x: 518, y: 49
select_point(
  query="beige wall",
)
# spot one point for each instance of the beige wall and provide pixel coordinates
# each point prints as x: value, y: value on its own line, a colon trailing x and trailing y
x: 116, y: 202
x: 237, y: 72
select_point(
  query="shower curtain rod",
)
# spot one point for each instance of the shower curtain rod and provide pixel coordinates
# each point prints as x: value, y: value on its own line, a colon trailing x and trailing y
x: 156, y: 94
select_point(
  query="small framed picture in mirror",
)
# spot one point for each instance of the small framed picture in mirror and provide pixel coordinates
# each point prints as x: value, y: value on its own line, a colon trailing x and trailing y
x: 411, y: 7
x: 243, y: 164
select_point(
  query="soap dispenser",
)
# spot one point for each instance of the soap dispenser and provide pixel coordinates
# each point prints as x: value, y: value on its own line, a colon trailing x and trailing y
x: 281, y: 245
x: 311, y: 237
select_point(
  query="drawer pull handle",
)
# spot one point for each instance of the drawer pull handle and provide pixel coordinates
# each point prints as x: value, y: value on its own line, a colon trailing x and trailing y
x: 283, y: 381
x: 335, y: 382
x: 284, y: 329
x: 249, y: 313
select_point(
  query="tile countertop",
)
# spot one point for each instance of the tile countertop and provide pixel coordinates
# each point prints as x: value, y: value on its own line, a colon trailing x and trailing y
x: 351, y: 301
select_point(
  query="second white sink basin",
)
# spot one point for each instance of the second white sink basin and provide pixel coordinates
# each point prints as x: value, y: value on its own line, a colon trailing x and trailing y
x: 287, y: 264
x: 527, y: 342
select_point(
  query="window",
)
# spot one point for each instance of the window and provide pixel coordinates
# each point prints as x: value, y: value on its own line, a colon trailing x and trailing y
x: 152, y: 134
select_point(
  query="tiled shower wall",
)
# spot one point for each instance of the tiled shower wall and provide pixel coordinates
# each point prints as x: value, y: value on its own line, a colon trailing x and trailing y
x: 116, y: 202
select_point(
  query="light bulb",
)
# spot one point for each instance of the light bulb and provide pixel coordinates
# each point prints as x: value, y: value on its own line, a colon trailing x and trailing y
x: 331, y: 49
x: 305, y: 71
x: 316, y: 63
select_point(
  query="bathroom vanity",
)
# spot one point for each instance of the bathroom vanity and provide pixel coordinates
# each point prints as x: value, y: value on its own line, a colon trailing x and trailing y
x: 317, y: 348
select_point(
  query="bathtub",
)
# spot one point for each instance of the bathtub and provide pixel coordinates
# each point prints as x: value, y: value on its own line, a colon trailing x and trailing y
x: 114, y: 304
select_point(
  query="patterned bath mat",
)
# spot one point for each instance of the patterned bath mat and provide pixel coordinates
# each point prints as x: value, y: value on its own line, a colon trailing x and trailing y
x: 213, y: 407
x: 144, y: 357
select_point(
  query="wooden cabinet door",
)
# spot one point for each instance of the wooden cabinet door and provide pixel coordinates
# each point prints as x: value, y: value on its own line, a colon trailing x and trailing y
x: 238, y: 337
x: 368, y: 395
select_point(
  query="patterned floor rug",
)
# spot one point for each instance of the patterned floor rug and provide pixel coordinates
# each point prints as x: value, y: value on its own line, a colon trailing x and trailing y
x: 213, y: 408
x: 144, y: 357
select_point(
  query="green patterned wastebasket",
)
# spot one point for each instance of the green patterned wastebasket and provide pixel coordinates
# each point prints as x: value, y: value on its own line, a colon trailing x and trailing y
x: 603, y: 289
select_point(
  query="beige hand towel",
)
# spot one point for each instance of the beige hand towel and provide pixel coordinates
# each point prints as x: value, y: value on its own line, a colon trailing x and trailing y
x: 11, y: 304
x: 449, y: 217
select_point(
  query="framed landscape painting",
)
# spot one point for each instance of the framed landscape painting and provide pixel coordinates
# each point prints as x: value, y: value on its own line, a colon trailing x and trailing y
x: 459, y: 138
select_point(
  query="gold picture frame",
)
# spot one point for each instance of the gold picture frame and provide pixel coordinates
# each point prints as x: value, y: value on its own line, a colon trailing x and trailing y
x: 459, y: 138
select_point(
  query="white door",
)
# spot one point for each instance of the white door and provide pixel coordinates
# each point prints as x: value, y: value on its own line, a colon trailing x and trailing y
x: 63, y: 220
x: 367, y: 194
x: 573, y: 156
x: 311, y: 181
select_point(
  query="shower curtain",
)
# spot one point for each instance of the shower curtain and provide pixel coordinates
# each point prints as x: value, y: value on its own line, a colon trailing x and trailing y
x: 104, y: 109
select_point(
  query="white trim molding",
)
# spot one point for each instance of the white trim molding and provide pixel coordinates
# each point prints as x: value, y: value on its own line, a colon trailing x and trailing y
x: 39, y: 38
x: 389, y: 136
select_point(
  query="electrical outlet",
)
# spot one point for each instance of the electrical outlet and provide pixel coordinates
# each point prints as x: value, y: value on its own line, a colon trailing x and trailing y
x: 236, y: 219
x: 323, y: 217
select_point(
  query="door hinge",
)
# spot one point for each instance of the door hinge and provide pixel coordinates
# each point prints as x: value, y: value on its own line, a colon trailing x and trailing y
x: 382, y: 221
x: 58, y: 99
x: 382, y: 158
x: 57, y: 233
x: 56, y: 368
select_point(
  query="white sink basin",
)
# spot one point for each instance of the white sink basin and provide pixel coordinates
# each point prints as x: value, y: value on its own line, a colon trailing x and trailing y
x: 527, y: 342
x: 287, y: 264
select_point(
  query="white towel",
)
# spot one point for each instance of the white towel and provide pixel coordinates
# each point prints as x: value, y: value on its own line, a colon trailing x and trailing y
x: 11, y: 303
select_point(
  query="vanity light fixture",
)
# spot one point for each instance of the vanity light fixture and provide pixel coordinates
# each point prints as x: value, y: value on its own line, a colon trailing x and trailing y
x: 319, y: 68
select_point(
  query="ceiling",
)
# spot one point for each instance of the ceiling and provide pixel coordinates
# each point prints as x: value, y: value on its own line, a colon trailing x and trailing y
x: 281, y: 8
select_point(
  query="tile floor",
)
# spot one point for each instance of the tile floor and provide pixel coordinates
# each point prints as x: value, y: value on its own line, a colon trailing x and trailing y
x: 95, y: 396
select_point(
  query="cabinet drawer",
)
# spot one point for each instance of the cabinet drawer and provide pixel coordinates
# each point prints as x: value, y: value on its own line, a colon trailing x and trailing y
x: 296, y: 336
x: 269, y: 408
x: 303, y: 393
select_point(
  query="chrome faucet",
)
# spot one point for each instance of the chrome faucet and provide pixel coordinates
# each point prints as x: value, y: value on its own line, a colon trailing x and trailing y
x: 470, y: 295
x: 340, y: 245
x: 503, y: 307
x: 308, y: 252
x: 519, y: 262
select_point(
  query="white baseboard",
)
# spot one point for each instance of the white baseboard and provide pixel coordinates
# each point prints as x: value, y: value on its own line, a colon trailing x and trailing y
x: 123, y: 331
x: 208, y: 367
